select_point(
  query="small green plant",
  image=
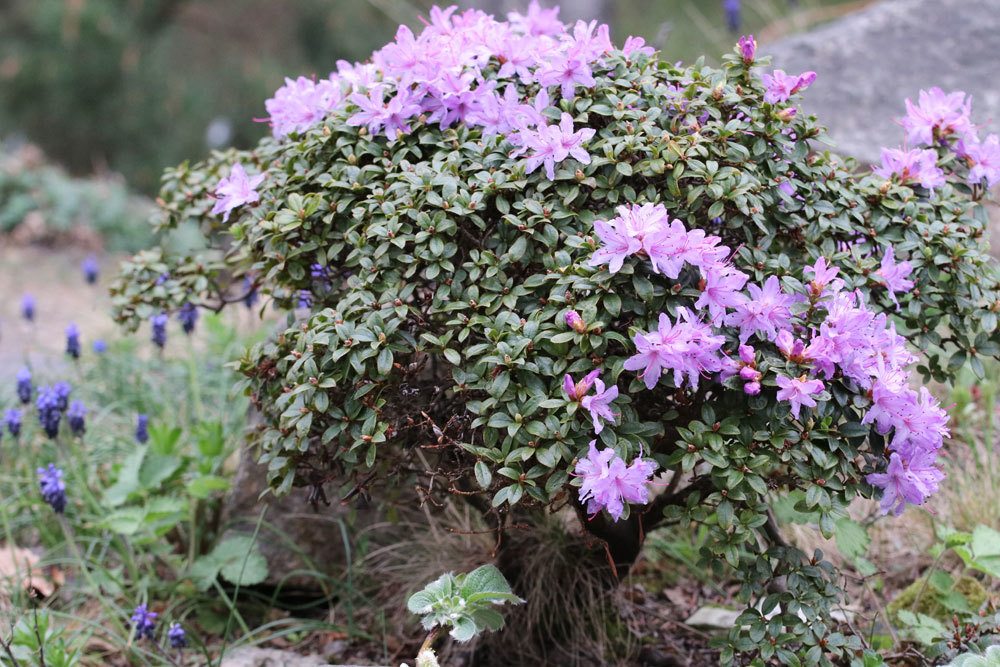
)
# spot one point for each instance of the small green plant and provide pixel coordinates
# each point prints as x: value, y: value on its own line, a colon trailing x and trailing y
x: 991, y: 658
x: 35, y: 641
x: 462, y: 602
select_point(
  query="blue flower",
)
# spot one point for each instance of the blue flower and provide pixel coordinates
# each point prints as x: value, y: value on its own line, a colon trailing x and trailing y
x: 188, y: 316
x: 28, y: 307
x: 62, y: 390
x: 73, y: 341
x: 144, y: 622
x: 12, y: 419
x: 251, y: 296
x: 49, y: 412
x: 76, y: 417
x: 100, y: 347
x: 305, y: 299
x: 159, y: 323
x: 53, y: 488
x: 177, y: 636
x: 24, y: 388
x: 142, y: 429
x: 733, y: 18
x: 90, y: 269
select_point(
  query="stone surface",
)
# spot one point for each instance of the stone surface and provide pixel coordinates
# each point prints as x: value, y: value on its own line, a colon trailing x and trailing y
x: 268, y: 657
x: 295, y: 538
x: 870, y: 61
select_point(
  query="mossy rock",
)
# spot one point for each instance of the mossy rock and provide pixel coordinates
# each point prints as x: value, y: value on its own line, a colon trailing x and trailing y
x: 929, y: 601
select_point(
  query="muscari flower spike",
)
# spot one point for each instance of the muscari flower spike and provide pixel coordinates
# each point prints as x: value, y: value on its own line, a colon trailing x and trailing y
x: 142, y: 429
x: 24, y: 388
x: 177, y: 636
x: 12, y: 420
x: 49, y: 412
x: 144, y: 622
x: 90, y: 269
x: 159, y: 323
x: 76, y: 416
x: 50, y: 482
x: 188, y: 317
x: 28, y: 307
x: 73, y: 341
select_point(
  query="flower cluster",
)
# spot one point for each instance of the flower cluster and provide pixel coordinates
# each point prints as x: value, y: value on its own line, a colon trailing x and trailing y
x: 24, y: 388
x: 608, y: 483
x: 73, y: 341
x: 76, y: 416
x: 159, y: 329
x: 188, y: 316
x: 50, y: 482
x: 142, y: 429
x: 49, y: 410
x: 12, y: 420
x: 941, y: 119
x: 144, y: 622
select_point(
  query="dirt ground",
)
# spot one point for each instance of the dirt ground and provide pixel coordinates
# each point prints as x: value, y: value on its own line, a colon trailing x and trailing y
x: 55, y: 280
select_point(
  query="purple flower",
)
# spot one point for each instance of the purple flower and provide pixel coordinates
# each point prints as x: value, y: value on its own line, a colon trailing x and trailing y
x: 302, y: 103
x: 599, y: 405
x: 793, y: 348
x: 567, y: 71
x: 144, y: 622
x: 76, y: 417
x: 575, y: 391
x: 28, y: 307
x: 983, y: 158
x: 24, y: 388
x: 250, y: 296
x: 377, y: 114
x: 893, y: 275
x: 751, y: 388
x: 919, y: 165
x: 12, y: 420
x: 305, y: 299
x: 50, y: 482
x: 937, y: 116
x: 909, y: 478
x: 159, y: 331
x: 721, y: 290
x: 100, y: 347
x: 823, y: 275
x: 62, y: 390
x: 73, y: 341
x: 49, y: 411
x: 575, y: 322
x: 618, y: 243
x: 188, y: 317
x: 142, y: 428
x: 90, y: 269
x: 552, y: 144
x: 608, y: 483
x: 688, y: 348
x: 748, y: 48
x: 747, y: 354
x: 798, y: 391
x: 767, y: 311
x: 733, y: 18
x: 637, y: 46
x: 177, y: 636
x: 781, y: 86
x: 537, y: 21
x: 235, y: 191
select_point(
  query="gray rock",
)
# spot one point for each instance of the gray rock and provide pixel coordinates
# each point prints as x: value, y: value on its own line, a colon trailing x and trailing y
x: 250, y: 656
x: 870, y: 61
x: 295, y: 539
x: 269, y: 657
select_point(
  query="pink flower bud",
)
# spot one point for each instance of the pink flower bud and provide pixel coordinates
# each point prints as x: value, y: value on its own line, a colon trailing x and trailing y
x: 575, y: 322
x: 748, y: 48
x: 750, y: 374
x: 746, y: 354
x: 751, y: 388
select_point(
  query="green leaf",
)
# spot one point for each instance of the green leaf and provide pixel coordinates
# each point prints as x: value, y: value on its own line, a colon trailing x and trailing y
x: 239, y: 561
x: 464, y: 629
x: 852, y: 538
x: 204, y: 486
x: 484, y: 579
x: 483, y: 475
x: 384, y: 363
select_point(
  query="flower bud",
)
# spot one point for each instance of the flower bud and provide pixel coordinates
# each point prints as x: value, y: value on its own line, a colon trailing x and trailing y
x: 748, y: 48
x: 751, y: 388
x: 575, y: 322
x: 750, y: 374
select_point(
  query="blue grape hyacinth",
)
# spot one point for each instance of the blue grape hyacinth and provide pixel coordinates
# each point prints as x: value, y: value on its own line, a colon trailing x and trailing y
x: 12, y: 420
x: 28, y: 307
x: 159, y: 323
x: 49, y: 412
x: 144, y: 622
x: 142, y: 429
x: 50, y: 481
x: 76, y: 416
x: 24, y: 388
x: 177, y: 636
x: 188, y: 317
x: 90, y: 269
x: 73, y: 341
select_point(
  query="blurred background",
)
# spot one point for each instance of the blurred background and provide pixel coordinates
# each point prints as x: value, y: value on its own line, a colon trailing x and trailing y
x: 133, y: 86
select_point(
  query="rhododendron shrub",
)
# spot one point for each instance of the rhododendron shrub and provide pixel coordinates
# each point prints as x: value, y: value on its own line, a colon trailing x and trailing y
x: 527, y: 269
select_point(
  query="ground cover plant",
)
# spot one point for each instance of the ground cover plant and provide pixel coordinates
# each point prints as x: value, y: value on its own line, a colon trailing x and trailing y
x: 528, y: 269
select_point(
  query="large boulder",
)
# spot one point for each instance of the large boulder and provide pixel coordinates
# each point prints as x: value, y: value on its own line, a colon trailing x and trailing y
x: 870, y: 61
